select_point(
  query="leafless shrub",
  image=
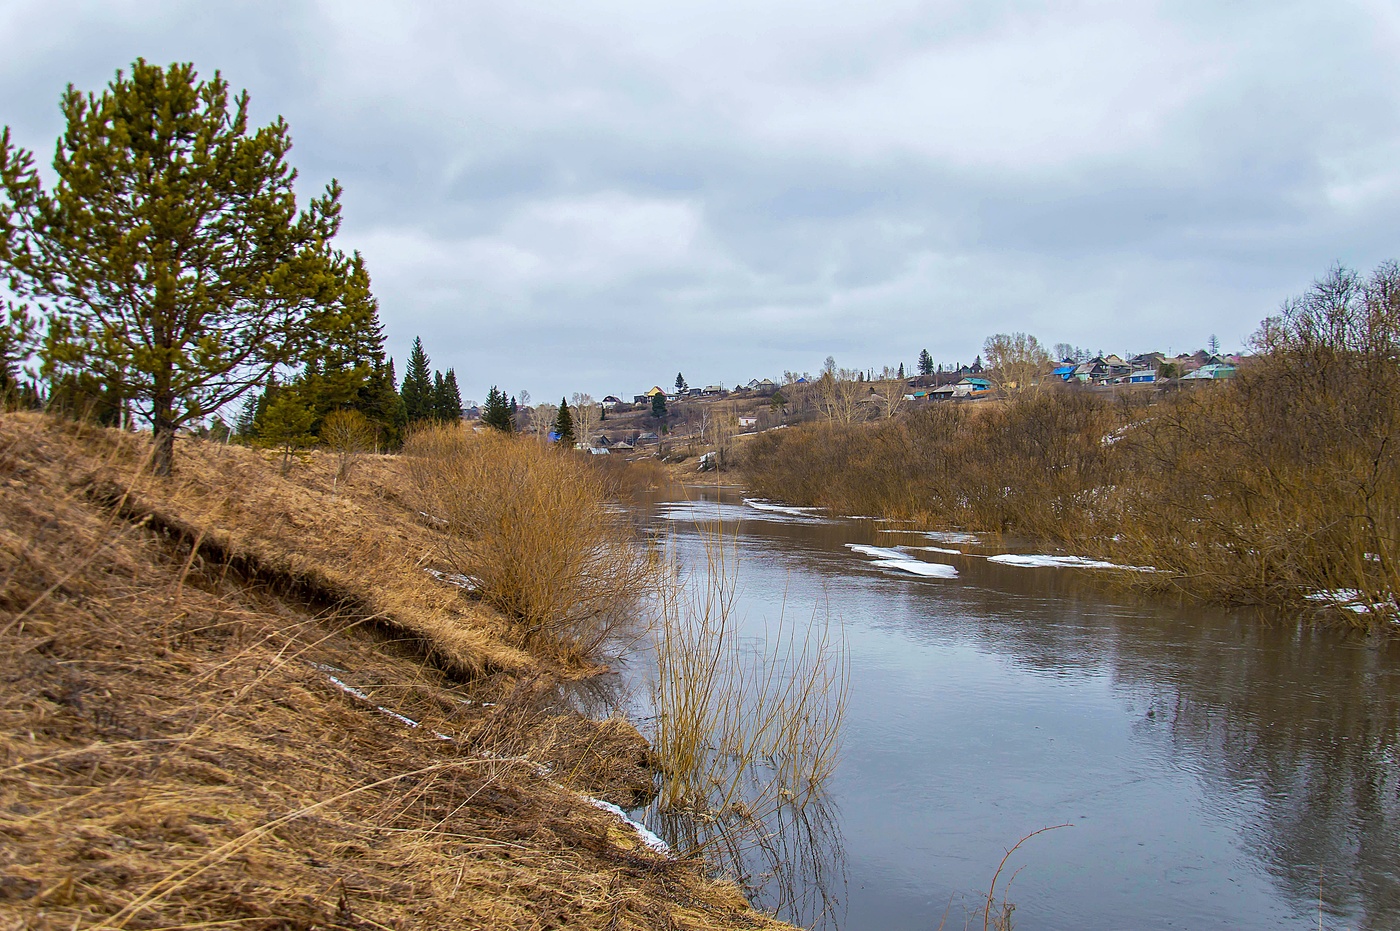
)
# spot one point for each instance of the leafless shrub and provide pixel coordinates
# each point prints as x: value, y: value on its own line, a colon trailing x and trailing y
x: 349, y: 434
x: 532, y: 526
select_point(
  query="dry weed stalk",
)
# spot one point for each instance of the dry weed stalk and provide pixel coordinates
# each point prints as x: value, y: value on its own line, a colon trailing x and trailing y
x: 533, y: 528
x: 746, y: 736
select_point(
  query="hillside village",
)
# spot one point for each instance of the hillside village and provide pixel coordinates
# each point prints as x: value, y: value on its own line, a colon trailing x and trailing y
x: 711, y: 414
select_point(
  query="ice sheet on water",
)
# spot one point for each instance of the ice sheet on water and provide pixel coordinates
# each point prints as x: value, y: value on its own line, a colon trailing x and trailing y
x: 886, y: 558
x: 879, y: 552
x: 759, y: 504
x: 1035, y: 561
x: 929, y: 570
x: 952, y: 536
x: 712, y: 511
x: 937, y: 549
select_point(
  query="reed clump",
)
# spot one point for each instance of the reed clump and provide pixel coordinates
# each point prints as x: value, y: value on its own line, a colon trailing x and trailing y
x: 746, y: 734
x: 534, y: 530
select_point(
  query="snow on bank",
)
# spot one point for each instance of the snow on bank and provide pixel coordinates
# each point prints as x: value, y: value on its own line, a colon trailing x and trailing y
x: 886, y: 558
x: 649, y: 839
x: 454, y: 578
x: 1070, y: 562
x: 1351, y: 599
x: 643, y: 834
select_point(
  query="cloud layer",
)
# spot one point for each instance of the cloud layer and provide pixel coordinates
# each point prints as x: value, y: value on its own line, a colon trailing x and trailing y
x: 569, y: 196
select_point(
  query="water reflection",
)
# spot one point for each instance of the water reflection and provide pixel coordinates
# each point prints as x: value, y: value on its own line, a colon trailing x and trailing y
x: 788, y: 859
x: 1225, y: 769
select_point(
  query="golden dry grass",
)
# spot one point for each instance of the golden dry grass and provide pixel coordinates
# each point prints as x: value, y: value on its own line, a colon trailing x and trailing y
x: 175, y: 754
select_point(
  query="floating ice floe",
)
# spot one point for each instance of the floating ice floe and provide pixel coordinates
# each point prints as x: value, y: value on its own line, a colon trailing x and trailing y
x: 929, y: 570
x: 717, y: 511
x: 886, y: 558
x: 1070, y: 562
x: 952, y: 536
x: 938, y: 549
x: 758, y: 504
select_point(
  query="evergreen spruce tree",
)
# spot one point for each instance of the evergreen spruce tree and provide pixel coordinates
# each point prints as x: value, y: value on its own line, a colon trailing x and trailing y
x: 417, y: 390
x: 925, y: 363
x: 451, y: 402
x: 901, y: 370
x: 564, y: 425
x: 680, y: 383
x: 439, y: 402
x: 496, y: 412
x: 658, y: 406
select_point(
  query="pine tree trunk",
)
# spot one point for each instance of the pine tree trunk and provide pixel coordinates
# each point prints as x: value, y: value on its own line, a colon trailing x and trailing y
x: 163, y: 433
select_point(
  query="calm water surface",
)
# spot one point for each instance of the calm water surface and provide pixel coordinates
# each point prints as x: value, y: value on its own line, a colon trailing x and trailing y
x: 1219, y: 770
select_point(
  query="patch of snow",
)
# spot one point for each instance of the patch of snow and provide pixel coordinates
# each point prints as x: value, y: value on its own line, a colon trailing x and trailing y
x: 1350, y: 599
x: 455, y: 578
x: 643, y: 834
x: 938, y: 549
x: 1070, y: 562
x: 433, y: 519
x: 406, y: 721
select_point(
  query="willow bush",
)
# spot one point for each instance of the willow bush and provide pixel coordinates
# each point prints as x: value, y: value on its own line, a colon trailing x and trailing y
x: 532, y: 526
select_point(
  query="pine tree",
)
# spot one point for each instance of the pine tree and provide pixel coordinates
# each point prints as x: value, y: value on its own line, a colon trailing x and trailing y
x: 564, y: 426
x: 901, y: 370
x: 925, y: 363
x: 171, y: 252
x: 680, y: 383
x: 658, y: 406
x: 286, y: 425
x: 496, y: 412
x: 417, y: 390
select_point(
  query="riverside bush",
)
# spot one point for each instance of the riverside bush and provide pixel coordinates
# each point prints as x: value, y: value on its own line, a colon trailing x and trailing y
x: 532, y: 526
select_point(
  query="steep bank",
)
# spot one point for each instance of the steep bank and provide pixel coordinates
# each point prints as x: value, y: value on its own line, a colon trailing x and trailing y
x: 237, y: 697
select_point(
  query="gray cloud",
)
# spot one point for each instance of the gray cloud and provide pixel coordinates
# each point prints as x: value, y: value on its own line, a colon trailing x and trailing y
x: 568, y: 197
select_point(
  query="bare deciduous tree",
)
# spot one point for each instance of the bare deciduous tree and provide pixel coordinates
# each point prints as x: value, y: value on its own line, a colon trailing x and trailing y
x: 1015, y: 360
x: 585, y: 417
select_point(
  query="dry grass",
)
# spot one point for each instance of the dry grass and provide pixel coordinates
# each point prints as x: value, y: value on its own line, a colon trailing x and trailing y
x: 535, y: 530
x: 174, y: 752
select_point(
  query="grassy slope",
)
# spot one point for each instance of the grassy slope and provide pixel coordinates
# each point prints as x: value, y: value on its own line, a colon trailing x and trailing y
x: 173, y: 751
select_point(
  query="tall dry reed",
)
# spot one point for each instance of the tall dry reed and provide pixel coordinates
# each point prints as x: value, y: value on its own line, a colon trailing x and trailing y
x: 533, y: 528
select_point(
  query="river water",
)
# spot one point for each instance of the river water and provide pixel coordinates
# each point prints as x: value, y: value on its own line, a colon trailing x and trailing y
x: 1216, y: 769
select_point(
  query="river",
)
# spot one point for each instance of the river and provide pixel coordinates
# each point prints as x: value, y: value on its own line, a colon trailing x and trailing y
x: 1215, y: 769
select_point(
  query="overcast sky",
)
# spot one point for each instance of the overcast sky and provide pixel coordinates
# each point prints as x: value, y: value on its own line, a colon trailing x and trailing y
x: 591, y: 197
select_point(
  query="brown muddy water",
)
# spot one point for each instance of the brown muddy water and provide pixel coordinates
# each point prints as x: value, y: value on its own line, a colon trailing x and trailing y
x: 1219, y: 769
